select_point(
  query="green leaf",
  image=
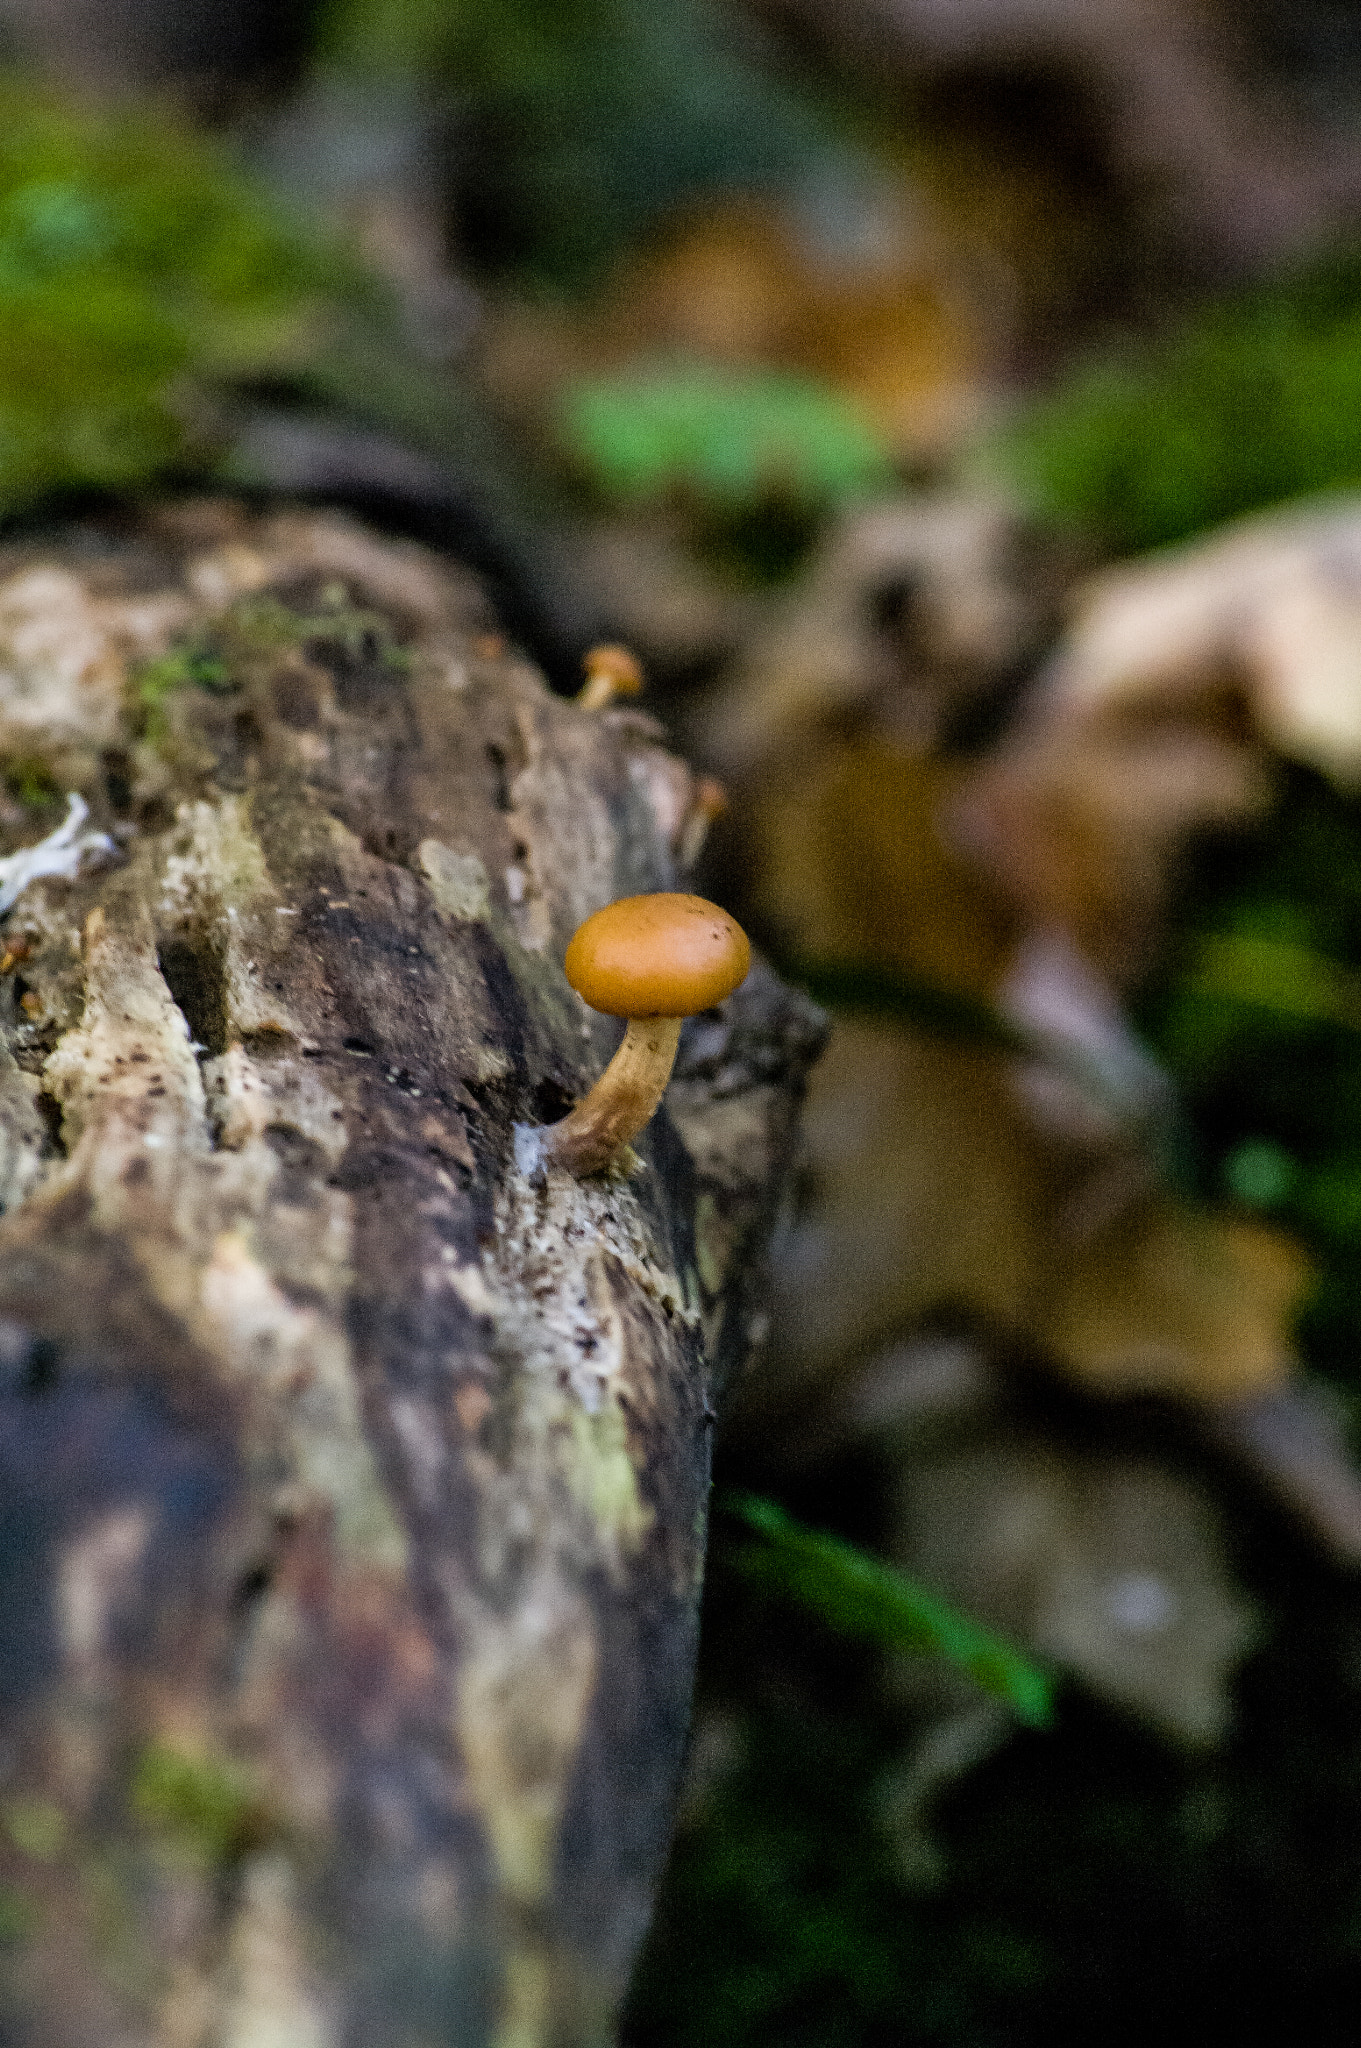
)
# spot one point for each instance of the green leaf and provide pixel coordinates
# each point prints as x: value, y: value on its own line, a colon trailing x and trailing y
x: 730, y: 437
x: 860, y: 1595
x: 1289, y: 980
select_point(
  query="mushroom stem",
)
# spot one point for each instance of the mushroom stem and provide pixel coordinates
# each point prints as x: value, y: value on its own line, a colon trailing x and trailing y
x: 597, y: 691
x: 622, y: 1100
x: 610, y: 672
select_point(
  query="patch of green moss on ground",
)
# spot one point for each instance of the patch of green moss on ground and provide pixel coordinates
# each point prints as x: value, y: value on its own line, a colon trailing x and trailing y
x: 1257, y: 1011
x: 1252, y: 401
x: 138, y: 266
x: 1096, y: 1886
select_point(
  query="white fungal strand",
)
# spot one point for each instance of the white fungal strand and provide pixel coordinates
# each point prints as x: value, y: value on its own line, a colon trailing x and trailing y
x: 61, y: 853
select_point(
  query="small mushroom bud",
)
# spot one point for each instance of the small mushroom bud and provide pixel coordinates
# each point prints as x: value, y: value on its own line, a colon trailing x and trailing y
x: 655, y: 960
x: 610, y: 672
x: 710, y: 801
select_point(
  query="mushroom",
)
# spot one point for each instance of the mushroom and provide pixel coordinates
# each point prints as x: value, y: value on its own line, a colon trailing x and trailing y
x: 709, y: 801
x: 610, y: 672
x: 654, y: 960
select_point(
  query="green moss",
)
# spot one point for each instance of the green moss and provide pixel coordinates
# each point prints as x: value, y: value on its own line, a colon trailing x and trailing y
x: 202, y: 1803
x: 195, y: 666
x: 137, y: 267
x: 256, y: 630
x: 19, y: 1915
x: 602, y: 1477
x: 31, y: 783
x: 37, y: 1827
x: 262, y: 625
x: 1254, y: 401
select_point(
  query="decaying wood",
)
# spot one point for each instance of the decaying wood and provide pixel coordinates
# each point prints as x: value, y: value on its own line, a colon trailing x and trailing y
x: 353, y: 1487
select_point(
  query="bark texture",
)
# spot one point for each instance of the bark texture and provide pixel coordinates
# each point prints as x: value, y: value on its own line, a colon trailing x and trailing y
x: 352, y: 1488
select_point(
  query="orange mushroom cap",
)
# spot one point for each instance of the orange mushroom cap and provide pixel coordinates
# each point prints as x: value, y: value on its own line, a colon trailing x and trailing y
x: 615, y: 665
x: 657, y: 956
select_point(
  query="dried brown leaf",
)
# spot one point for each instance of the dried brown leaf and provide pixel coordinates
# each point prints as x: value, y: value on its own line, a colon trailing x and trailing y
x: 1172, y: 1300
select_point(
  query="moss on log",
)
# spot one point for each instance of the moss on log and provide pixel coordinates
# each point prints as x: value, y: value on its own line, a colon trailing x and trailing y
x: 352, y: 1489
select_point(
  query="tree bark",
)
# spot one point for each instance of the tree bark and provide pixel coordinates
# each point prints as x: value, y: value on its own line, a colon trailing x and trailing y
x: 354, y: 1487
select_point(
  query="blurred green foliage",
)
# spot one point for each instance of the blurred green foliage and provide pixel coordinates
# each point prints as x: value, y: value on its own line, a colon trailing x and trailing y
x: 150, y: 292
x: 578, y: 122
x: 137, y: 268
x: 784, y: 1921
x: 726, y: 437
x: 859, y: 1595
x: 1255, y: 400
x: 199, y: 1801
x: 1258, y: 1016
x: 1096, y: 1888
x: 37, y: 1827
x: 31, y: 783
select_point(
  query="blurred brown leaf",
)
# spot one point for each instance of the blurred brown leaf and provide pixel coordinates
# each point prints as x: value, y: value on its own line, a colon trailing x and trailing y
x: 1268, y: 608
x: 910, y: 611
x: 889, y: 320
x: 1178, y: 682
x: 854, y: 866
x: 1169, y: 1299
x: 1110, y: 1565
x: 1022, y: 1193
x: 889, y: 317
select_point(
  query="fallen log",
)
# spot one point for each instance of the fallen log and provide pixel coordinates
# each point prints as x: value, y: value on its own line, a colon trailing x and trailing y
x: 353, y: 1485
